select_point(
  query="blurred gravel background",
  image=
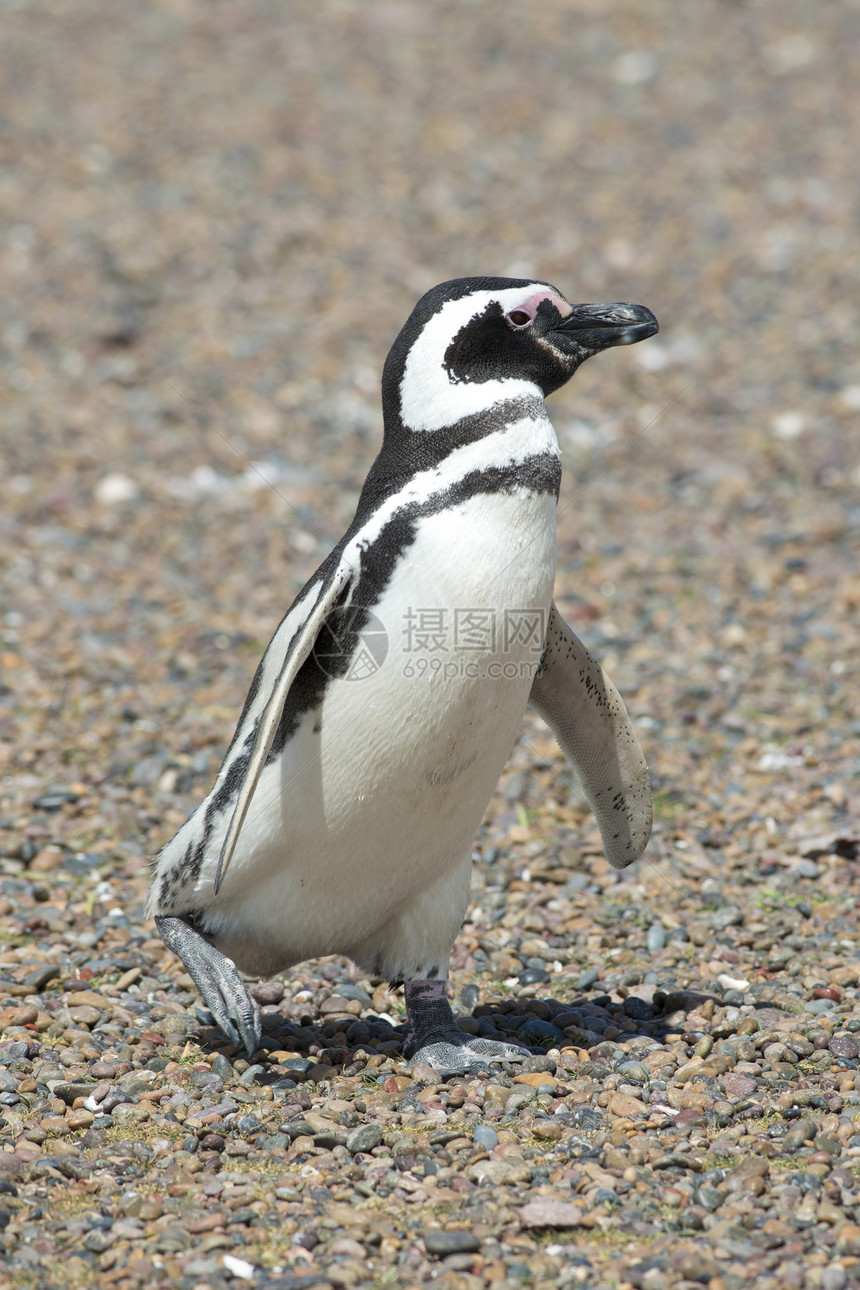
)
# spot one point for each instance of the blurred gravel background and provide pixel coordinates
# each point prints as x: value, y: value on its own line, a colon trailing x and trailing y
x: 214, y: 218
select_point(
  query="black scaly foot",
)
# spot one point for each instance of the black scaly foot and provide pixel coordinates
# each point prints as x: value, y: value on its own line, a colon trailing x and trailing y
x: 435, y: 1038
x: 217, y: 978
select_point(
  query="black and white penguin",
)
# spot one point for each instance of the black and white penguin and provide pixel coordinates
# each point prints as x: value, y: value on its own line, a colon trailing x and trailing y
x: 384, y: 709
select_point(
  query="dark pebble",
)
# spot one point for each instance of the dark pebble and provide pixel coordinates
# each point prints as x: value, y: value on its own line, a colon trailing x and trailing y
x: 222, y: 1068
x: 68, y: 1092
x: 440, y: 1244
x: 81, y: 865
x: 799, y: 1133
x: 469, y: 996
x: 39, y: 979
x: 364, y: 1138
x: 212, y: 1142
x: 842, y: 1046
x: 533, y: 976
x: 55, y: 799
x: 538, y: 1031
x: 587, y: 979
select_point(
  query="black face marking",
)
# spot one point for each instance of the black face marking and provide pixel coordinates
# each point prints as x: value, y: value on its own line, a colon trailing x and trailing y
x: 487, y: 348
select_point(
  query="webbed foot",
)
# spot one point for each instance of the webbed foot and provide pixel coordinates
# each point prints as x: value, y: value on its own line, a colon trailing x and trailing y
x: 217, y: 978
x: 435, y: 1038
x: 467, y: 1054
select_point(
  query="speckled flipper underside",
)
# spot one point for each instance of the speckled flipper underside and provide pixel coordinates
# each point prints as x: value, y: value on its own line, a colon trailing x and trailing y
x: 576, y: 698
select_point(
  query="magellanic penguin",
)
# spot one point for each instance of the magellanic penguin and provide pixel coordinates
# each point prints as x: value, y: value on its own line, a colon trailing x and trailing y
x: 382, y: 713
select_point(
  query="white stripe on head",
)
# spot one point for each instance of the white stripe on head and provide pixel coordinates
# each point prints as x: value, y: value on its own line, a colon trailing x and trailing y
x: 429, y: 398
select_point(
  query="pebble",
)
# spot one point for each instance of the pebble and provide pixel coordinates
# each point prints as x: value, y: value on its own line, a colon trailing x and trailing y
x: 656, y: 939
x: 442, y: 1243
x: 485, y: 1136
x: 364, y: 1138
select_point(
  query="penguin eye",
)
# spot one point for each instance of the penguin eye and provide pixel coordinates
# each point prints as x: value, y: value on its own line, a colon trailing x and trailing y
x: 519, y: 318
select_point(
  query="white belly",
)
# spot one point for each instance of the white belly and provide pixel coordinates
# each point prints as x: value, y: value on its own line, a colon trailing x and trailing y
x: 358, y: 837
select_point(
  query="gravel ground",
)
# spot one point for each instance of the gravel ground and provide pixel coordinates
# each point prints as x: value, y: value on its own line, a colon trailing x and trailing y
x: 214, y: 218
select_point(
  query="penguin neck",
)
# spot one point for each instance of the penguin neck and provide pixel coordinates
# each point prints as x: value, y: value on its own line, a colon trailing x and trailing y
x: 406, y: 452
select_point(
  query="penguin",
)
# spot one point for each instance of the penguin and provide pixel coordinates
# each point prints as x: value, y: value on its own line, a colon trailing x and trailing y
x: 383, y: 710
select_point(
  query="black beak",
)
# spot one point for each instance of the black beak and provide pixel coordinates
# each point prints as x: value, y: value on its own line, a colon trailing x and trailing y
x: 596, y: 327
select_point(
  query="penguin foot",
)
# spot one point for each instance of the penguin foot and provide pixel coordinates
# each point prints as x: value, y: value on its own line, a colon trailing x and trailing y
x: 217, y: 978
x: 464, y: 1054
x: 434, y: 1037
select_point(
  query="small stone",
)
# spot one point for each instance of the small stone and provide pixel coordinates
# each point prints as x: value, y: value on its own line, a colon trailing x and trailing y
x: 486, y: 1136
x: 364, y: 1138
x: 538, y: 1031
x: 423, y: 1074
x: 439, y: 1244
x: 656, y: 938
x: 709, y: 1198
x: 738, y: 1085
x: 71, y: 1091
x: 624, y: 1106
x: 699, y: 933
x: 551, y: 1213
x: 222, y: 1068
x: 266, y: 992
x: 587, y: 979
x: 56, y: 1126
x: 842, y: 1046
x: 637, y: 1008
x: 80, y: 1119
x: 797, y: 1135
x: 533, y: 1079
x: 547, y: 1130
x: 10, y: 1165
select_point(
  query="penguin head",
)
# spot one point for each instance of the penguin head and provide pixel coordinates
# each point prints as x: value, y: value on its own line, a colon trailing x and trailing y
x: 474, y: 342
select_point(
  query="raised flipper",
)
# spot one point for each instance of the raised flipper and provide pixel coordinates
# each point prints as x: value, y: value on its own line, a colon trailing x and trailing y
x: 576, y: 698
x: 298, y: 650
x: 217, y: 978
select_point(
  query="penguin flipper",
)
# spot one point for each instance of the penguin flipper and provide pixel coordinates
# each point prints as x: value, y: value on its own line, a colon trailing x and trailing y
x: 298, y: 650
x: 576, y: 698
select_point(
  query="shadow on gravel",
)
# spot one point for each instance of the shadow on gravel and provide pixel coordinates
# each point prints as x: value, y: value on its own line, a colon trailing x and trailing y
x: 297, y: 1048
